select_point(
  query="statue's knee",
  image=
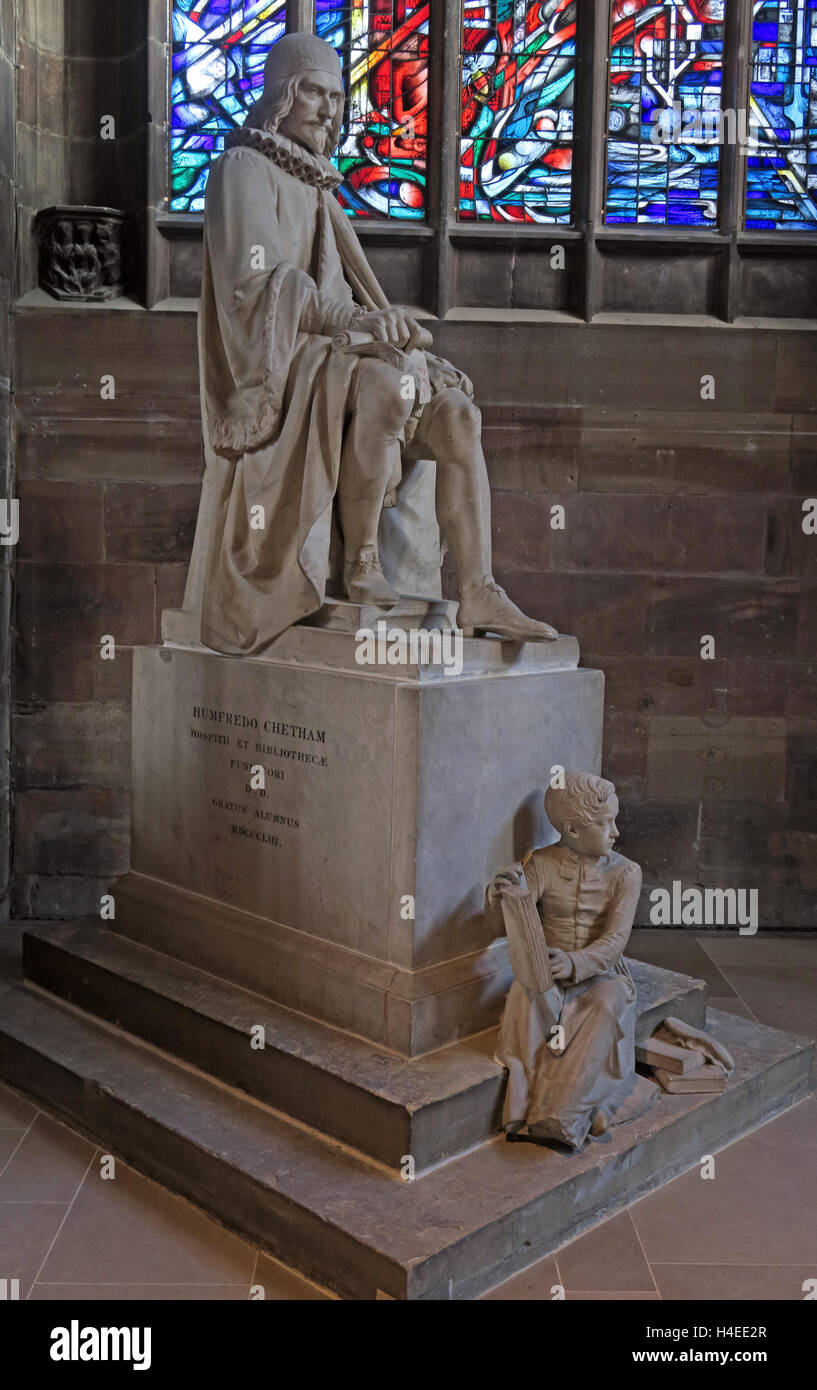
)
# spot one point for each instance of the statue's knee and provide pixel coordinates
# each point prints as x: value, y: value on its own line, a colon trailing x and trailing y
x: 613, y: 996
x: 382, y: 395
x: 457, y: 415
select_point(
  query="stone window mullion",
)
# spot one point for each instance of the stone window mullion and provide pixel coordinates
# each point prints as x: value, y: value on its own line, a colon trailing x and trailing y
x: 300, y: 16
x: 734, y: 97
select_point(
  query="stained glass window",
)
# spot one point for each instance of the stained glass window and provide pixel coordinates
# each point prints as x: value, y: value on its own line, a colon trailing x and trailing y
x: 664, y: 128
x: 219, y: 49
x: 383, y: 45
x: 516, y: 147
x: 781, y: 173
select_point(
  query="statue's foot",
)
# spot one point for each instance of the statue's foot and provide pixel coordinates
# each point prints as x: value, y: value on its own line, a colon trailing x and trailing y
x: 365, y: 581
x: 488, y: 609
x: 599, y: 1125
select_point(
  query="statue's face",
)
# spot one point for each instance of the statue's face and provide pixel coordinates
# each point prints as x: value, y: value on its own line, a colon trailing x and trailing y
x: 316, y: 103
x: 597, y: 836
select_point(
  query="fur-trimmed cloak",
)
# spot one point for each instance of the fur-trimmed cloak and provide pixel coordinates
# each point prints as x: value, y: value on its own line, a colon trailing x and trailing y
x: 282, y: 270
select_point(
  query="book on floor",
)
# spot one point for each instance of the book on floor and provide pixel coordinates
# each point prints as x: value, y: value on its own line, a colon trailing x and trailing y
x: 706, y: 1078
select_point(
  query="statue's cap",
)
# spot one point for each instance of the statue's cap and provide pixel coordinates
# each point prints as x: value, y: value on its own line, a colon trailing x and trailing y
x: 295, y: 53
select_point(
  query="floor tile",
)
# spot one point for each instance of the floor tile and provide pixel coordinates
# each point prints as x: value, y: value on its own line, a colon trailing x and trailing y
x: 280, y: 1283
x: 677, y: 950
x: 759, y: 1208
x: 776, y: 979
x: 129, y: 1230
x: 535, y: 1283
x: 796, y: 950
x: 768, y: 1283
x: 26, y: 1231
x: 10, y: 1141
x: 15, y: 1111
x: 608, y: 1257
x: 127, y: 1293
x: 48, y: 1166
x: 587, y: 1297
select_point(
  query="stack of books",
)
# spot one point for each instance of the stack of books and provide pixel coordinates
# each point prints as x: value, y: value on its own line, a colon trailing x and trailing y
x: 680, y: 1069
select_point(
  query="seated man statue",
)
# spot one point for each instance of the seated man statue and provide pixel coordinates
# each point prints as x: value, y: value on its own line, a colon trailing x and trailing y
x: 320, y: 406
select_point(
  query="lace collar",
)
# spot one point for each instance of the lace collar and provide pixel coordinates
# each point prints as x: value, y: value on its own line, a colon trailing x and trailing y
x: 310, y: 168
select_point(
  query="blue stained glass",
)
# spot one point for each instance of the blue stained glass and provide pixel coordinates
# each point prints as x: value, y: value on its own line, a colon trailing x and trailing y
x: 218, y: 54
x: 664, y: 110
x: 216, y: 78
x: 781, y: 173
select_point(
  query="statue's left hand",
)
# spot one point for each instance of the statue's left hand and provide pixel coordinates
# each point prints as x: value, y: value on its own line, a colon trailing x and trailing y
x: 561, y: 966
x: 395, y: 326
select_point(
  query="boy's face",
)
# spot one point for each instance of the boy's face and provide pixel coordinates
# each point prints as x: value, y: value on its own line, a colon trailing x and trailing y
x: 597, y: 837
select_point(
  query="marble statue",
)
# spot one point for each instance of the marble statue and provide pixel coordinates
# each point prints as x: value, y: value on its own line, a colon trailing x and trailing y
x: 569, y: 1048
x: 326, y: 417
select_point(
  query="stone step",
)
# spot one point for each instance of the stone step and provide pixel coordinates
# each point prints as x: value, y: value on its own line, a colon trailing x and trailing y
x: 352, y: 1225
x: 376, y: 1101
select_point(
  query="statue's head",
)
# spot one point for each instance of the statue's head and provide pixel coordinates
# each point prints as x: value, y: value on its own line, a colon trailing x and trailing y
x: 584, y: 812
x: 303, y: 93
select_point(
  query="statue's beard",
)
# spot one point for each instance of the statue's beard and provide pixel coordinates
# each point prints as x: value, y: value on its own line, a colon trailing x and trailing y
x: 314, y: 138
x: 321, y: 139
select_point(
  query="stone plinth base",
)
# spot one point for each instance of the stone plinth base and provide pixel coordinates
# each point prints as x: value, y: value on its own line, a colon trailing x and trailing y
x: 385, y: 1106
x: 322, y: 832
x: 351, y: 1224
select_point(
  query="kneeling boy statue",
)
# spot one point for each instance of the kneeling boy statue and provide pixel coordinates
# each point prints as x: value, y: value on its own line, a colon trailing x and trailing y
x: 568, y: 1040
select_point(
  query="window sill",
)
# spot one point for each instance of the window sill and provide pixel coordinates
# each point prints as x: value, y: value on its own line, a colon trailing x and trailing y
x: 38, y: 299
x: 191, y: 225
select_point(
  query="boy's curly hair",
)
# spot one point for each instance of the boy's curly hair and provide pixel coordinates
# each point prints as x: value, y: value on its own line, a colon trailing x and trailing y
x: 581, y: 799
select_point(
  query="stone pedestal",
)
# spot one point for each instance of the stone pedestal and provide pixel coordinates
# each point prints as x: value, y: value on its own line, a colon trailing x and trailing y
x: 351, y: 885
x: 288, y: 912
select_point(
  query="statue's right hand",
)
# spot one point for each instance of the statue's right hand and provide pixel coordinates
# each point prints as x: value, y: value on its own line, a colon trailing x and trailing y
x: 394, y: 326
x: 506, y: 878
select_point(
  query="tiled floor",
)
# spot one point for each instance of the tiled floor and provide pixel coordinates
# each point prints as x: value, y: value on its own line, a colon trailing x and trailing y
x: 69, y: 1228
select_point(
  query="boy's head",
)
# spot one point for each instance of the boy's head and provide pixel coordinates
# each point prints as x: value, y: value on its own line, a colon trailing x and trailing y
x: 584, y: 812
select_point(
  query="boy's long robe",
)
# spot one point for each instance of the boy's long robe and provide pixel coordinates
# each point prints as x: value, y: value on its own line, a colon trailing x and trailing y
x: 587, y: 908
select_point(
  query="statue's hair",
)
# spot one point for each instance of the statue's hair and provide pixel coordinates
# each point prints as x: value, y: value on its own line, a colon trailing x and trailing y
x: 276, y: 102
x: 581, y: 799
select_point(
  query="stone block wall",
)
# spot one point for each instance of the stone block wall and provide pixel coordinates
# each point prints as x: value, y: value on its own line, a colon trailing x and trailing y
x: 8, y: 89
x: 109, y: 493
x: 682, y: 520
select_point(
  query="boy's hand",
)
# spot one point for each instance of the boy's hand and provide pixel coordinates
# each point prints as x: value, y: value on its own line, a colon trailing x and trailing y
x: 561, y: 966
x: 506, y: 878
